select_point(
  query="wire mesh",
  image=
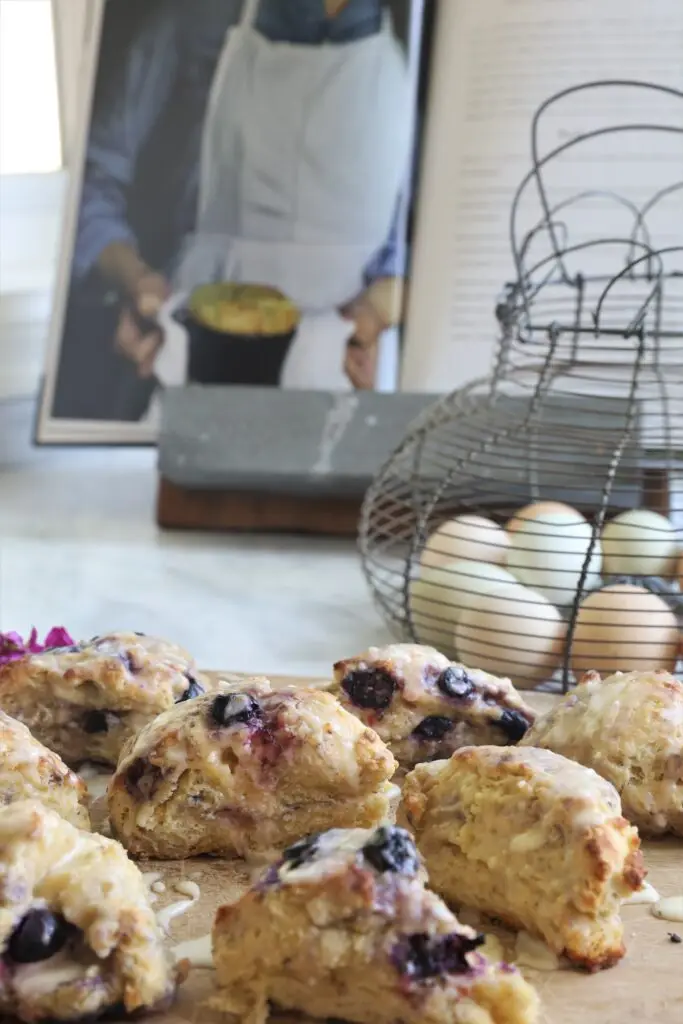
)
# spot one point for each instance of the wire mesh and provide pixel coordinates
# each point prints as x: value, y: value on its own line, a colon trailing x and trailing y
x: 530, y: 522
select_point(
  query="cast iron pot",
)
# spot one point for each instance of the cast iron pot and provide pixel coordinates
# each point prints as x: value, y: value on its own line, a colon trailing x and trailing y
x: 221, y: 357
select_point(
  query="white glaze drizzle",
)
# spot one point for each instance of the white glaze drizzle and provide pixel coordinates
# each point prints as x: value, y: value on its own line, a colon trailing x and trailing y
x: 670, y: 908
x: 646, y: 894
x: 197, y: 951
x: 173, y: 910
x: 188, y: 888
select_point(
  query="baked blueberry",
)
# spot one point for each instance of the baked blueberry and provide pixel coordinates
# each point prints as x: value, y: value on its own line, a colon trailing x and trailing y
x: 392, y: 849
x: 455, y: 682
x: 193, y: 690
x: 370, y: 688
x: 434, y: 727
x: 235, y: 709
x: 421, y: 956
x: 38, y: 936
x: 513, y: 724
x: 95, y: 721
x: 301, y: 852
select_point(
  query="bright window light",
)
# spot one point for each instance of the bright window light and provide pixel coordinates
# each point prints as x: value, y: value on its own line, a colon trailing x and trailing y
x: 30, y: 140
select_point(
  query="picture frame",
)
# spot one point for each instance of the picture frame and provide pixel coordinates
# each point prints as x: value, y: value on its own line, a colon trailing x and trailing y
x: 74, y: 381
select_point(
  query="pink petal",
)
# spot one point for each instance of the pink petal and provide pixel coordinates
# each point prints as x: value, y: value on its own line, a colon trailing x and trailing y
x: 58, y: 637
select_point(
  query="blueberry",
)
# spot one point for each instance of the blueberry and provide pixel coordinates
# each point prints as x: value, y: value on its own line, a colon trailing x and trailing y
x: 369, y: 688
x: 235, y: 709
x: 38, y: 936
x: 513, y: 724
x: 392, y: 849
x: 434, y: 727
x: 95, y: 721
x: 301, y: 852
x: 421, y: 956
x: 195, y: 689
x: 455, y: 682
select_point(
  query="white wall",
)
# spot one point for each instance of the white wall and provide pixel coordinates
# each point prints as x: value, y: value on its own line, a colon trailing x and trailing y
x: 32, y: 206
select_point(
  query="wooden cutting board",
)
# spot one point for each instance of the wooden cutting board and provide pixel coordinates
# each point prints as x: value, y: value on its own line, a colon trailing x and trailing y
x: 645, y: 988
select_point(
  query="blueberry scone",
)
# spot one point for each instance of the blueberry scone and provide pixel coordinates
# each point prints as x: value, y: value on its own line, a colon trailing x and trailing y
x: 235, y: 773
x: 531, y: 838
x: 84, y: 701
x: 77, y: 934
x: 629, y: 729
x: 425, y: 706
x: 29, y: 771
x: 343, y: 927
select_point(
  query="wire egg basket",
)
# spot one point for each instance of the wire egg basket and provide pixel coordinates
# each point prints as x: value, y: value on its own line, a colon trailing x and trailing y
x: 529, y: 523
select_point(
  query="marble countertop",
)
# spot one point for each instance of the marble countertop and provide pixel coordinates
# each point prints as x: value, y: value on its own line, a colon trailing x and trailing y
x: 79, y: 548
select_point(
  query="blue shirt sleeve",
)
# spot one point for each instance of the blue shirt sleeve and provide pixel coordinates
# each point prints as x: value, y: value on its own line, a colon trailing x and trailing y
x: 119, y: 128
x: 390, y: 259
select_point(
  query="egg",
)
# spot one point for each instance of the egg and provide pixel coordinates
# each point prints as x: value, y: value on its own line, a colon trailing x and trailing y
x: 438, y: 597
x: 467, y: 536
x: 624, y: 628
x: 549, y: 542
x: 640, y: 543
x: 539, y: 510
x: 515, y: 632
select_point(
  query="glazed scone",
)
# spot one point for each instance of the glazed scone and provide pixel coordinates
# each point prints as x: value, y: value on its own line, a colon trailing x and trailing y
x: 86, y: 700
x: 29, y: 771
x: 424, y: 706
x: 629, y: 729
x: 77, y: 934
x: 531, y: 838
x: 236, y: 773
x: 343, y: 927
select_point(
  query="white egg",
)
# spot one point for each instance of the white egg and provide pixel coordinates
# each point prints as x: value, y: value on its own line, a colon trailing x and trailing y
x: 466, y: 536
x: 439, y: 595
x: 548, y: 545
x: 624, y: 628
x: 640, y: 543
x: 516, y: 632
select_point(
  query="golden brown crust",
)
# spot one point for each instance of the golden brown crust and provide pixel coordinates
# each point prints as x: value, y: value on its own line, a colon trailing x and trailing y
x: 335, y: 931
x: 629, y: 729
x: 246, y: 309
x: 281, y: 765
x: 85, y: 701
x: 531, y: 838
x: 29, y: 771
x: 424, y: 713
x: 114, y: 950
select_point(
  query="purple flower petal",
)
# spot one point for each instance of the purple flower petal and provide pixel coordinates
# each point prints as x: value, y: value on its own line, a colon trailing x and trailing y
x: 59, y: 637
x: 13, y: 647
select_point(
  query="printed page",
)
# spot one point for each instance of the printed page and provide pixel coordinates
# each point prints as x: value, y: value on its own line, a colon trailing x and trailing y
x: 495, y: 61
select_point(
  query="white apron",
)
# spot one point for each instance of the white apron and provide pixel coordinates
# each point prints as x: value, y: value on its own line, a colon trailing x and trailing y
x: 304, y: 152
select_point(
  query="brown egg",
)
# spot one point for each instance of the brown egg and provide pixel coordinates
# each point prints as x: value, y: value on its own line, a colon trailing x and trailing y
x: 537, y: 511
x: 624, y: 628
x: 512, y: 631
x: 468, y: 536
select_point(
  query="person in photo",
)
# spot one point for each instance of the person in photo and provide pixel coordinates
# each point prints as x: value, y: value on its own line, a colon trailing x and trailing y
x: 300, y: 135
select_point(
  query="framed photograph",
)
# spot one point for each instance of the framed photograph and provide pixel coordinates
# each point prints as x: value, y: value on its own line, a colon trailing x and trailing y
x: 241, y: 202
